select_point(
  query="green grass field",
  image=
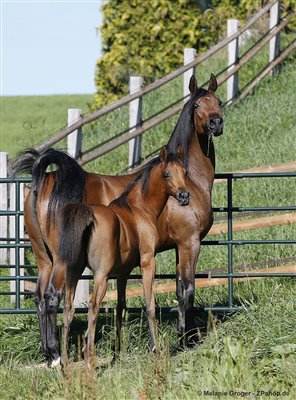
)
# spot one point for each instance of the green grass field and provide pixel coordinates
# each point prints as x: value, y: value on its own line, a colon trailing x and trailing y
x: 253, y: 351
x: 26, y: 121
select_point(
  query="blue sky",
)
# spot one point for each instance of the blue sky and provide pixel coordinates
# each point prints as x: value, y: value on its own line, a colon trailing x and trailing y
x: 49, y: 47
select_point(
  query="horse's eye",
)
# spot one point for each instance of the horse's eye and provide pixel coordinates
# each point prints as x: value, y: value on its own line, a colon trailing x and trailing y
x: 220, y: 103
x: 166, y: 175
x: 186, y: 172
x: 196, y: 105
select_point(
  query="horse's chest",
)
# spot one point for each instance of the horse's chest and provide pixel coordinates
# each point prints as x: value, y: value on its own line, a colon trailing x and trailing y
x: 177, y: 223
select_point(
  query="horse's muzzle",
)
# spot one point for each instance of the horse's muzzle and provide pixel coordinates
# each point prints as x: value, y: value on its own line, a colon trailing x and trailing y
x: 215, y: 125
x: 183, y: 197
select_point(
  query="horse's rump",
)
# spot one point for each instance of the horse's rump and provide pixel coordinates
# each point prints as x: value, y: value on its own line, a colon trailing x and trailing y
x: 69, y: 180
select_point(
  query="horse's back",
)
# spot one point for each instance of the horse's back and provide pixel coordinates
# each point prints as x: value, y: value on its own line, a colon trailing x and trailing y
x: 102, y: 189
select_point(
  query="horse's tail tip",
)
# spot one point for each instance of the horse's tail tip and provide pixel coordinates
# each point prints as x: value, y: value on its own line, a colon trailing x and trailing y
x: 24, y: 161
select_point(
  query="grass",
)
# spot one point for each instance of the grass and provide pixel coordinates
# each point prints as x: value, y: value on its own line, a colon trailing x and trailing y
x: 251, y: 351
x: 29, y: 120
x: 242, y: 353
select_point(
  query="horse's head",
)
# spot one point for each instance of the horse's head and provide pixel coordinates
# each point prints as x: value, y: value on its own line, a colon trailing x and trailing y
x: 206, y: 108
x: 174, y: 174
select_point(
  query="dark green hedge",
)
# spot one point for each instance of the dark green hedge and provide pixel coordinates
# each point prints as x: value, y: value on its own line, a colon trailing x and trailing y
x: 147, y: 37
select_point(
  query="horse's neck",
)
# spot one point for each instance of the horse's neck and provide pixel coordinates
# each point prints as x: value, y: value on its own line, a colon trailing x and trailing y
x: 153, y: 200
x: 202, y: 160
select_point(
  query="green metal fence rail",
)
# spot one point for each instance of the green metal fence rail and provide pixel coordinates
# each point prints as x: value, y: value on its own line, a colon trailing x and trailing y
x: 17, y: 243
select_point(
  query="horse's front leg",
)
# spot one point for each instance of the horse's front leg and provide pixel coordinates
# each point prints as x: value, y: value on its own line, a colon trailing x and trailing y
x: 72, y: 277
x: 148, y: 272
x: 185, y: 284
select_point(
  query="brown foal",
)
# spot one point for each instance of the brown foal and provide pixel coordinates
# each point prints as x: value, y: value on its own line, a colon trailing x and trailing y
x: 122, y: 236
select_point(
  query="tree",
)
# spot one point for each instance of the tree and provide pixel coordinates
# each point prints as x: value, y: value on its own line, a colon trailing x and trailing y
x: 147, y: 38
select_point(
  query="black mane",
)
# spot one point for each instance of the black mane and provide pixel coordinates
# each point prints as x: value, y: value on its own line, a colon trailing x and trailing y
x: 184, y: 129
x: 144, y: 176
x: 122, y: 200
x: 181, y: 136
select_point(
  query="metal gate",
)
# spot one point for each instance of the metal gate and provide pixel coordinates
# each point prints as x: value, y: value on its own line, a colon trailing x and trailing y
x: 11, y: 284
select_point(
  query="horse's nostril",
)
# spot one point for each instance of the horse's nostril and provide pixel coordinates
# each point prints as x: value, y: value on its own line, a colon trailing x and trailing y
x: 183, y: 197
x: 215, y: 121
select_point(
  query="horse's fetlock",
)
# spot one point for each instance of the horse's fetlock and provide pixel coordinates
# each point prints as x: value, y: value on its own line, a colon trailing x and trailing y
x: 53, y: 346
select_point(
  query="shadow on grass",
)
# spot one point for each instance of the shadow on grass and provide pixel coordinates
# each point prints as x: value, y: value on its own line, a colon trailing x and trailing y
x: 135, y: 323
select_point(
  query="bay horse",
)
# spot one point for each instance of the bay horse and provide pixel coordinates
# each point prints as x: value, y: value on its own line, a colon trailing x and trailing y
x: 199, y: 121
x: 118, y: 238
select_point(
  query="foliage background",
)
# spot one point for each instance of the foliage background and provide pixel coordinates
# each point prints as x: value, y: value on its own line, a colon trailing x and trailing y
x: 147, y: 38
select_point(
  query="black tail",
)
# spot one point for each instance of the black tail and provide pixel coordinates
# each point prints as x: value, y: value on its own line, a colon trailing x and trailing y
x: 69, y: 179
x: 75, y: 227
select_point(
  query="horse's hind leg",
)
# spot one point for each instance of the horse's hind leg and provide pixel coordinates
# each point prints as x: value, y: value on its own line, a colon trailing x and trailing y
x: 100, y: 287
x: 53, y: 297
x: 120, y: 309
x: 44, y: 272
x: 44, y: 263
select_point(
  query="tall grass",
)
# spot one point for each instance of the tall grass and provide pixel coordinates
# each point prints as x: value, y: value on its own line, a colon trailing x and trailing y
x: 251, y: 351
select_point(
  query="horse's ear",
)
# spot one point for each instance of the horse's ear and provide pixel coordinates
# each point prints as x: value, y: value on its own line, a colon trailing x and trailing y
x: 180, y: 152
x: 163, y: 154
x: 213, y: 84
x: 192, y: 84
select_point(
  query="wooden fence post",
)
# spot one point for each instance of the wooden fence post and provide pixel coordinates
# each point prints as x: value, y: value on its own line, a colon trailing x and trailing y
x: 189, y: 55
x: 232, y: 82
x: 274, y: 44
x: 135, y: 119
x: 74, y: 140
x: 3, y: 205
x: 17, y: 234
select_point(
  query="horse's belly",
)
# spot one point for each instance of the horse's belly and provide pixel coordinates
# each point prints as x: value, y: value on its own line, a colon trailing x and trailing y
x: 126, y: 263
